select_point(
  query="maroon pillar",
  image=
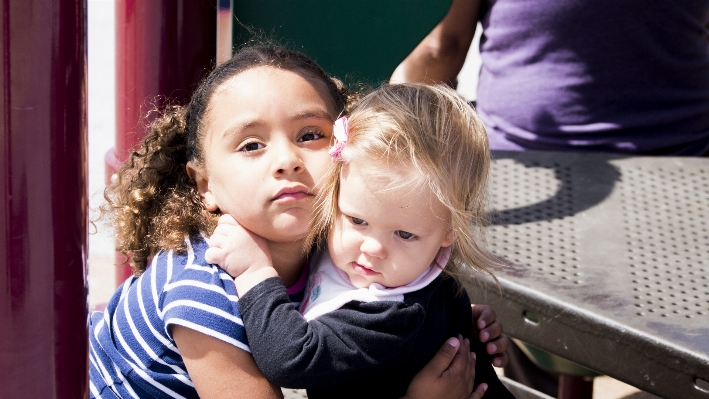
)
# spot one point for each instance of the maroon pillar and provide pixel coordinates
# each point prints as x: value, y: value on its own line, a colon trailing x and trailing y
x: 575, y: 387
x: 43, y: 199
x: 163, y: 49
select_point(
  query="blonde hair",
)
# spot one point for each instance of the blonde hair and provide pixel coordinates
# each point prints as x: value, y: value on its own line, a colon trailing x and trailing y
x: 435, y: 131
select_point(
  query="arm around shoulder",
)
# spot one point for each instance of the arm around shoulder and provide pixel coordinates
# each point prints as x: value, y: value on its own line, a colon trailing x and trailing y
x: 336, y: 348
x: 220, y: 370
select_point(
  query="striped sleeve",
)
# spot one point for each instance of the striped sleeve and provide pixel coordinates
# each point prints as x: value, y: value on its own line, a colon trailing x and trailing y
x: 200, y: 296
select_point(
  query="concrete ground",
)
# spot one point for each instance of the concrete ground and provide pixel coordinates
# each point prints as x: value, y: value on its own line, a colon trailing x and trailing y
x: 101, y: 105
x: 603, y: 388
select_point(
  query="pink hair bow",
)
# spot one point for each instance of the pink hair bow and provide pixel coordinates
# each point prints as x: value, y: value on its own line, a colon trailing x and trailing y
x: 340, y: 132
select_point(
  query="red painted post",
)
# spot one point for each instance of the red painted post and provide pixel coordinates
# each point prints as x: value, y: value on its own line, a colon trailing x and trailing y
x: 163, y: 48
x: 43, y: 200
x: 575, y: 387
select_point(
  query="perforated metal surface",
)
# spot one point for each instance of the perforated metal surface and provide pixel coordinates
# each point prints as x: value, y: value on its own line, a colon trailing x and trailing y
x: 611, y: 254
x: 668, y: 240
x: 531, y: 229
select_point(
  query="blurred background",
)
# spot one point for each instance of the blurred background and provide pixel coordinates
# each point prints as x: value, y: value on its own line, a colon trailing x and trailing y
x: 102, y: 132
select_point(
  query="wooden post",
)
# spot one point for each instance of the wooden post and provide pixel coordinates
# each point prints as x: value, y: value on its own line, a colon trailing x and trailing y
x: 43, y: 200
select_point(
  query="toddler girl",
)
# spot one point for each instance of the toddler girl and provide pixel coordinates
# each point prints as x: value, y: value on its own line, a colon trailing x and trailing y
x: 252, y: 142
x: 401, y: 212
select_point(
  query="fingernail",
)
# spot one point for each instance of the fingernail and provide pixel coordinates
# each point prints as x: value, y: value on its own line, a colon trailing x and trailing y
x: 453, y: 342
x: 484, y: 336
x: 484, y: 387
x: 493, y: 348
x: 475, y: 356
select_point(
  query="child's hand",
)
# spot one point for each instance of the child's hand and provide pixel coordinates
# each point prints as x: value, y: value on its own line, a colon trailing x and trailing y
x: 450, y: 374
x: 236, y: 249
x: 489, y: 329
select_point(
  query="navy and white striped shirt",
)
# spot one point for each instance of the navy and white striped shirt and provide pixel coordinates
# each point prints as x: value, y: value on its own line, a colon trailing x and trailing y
x: 132, y: 354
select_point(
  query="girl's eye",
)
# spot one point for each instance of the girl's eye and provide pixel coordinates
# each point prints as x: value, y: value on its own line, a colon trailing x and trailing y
x: 253, y: 146
x: 310, y: 136
x: 357, y: 221
x: 405, y: 234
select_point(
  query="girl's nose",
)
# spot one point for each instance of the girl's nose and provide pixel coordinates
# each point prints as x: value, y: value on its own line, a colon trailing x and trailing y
x: 373, y: 247
x: 286, y: 159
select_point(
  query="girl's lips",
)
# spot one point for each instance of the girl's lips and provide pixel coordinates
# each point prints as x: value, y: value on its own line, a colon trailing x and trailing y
x: 364, y: 271
x: 291, y: 194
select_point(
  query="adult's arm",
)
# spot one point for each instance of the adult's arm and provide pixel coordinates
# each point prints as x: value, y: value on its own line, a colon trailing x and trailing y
x: 441, y: 54
x: 220, y: 370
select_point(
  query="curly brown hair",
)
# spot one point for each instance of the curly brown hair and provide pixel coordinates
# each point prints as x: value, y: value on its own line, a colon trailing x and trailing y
x: 154, y: 204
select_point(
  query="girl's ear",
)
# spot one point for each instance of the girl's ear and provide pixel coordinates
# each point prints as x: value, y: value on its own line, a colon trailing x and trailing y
x: 199, y: 175
x: 449, y: 239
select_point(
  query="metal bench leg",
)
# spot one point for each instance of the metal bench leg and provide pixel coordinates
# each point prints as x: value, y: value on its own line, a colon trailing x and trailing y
x: 575, y: 387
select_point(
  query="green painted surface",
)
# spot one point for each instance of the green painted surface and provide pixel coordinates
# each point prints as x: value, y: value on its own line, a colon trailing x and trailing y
x: 357, y: 40
x: 553, y: 362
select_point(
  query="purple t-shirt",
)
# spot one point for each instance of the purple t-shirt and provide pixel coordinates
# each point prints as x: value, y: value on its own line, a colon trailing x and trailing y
x: 598, y: 75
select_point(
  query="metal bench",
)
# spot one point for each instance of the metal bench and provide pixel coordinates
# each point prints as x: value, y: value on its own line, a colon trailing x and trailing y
x: 606, y: 263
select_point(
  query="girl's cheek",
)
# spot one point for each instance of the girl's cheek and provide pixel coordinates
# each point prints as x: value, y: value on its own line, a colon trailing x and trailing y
x: 338, y: 233
x: 318, y: 164
x: 351, y: 239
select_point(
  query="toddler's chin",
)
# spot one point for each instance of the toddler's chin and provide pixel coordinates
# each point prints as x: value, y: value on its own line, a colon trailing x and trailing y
x: 359, y: 281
